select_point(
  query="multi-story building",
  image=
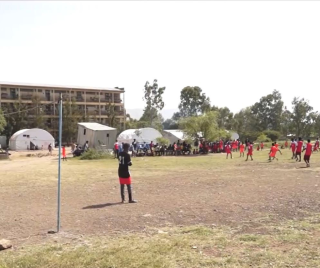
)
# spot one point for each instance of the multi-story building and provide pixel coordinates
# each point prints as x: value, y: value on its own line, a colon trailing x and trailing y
x: 94, y: 103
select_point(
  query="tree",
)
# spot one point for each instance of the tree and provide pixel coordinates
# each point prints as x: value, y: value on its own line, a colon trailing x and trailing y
x: 193, y: 102
x: 154, y: 102
x: 302, y: 117
x: 70, y: 118
x: 16, y: 115
x: 157, y: 119
x: 244, y: 123
x: 111, y: 113
x: 268, y: 112
x: 317, y: 125
x: 37, y: 112
x: 170, y: 124
x: 3, y: 122
x: 225, y: 117
x: 204, y: 125
x: 286, y: 122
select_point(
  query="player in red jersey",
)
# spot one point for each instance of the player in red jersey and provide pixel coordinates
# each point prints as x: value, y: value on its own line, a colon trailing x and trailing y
x: 316, y: 146
x: 307, y: 154
x: 293, y: 148
x: 228, y: 150
x: 273, y: 152
x: 286, y: 144
x: 241, y: 149
x: 277, y: 146
x: 250, y: 151
x: 299, y: 149
x: 261, y: 145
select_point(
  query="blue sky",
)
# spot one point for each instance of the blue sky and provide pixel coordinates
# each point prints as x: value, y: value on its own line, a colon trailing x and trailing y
x: 235, y: 51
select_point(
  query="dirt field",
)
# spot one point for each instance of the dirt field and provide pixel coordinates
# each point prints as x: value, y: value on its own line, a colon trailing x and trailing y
x: 171, y: 191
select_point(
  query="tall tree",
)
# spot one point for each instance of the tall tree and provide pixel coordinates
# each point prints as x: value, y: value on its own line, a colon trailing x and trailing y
x: 3, y: 122
x: 111, y: 113
x: 37, y: 112
x: 268, y: 111
x: 157, y: 118
x: 205, y: 125
x: 302, y: 117
x: 70, y: 118
x: 225, y: 117
x: 153, y: 98
x: 16, y: 115
x: 244, y: 124
x: 286, y: 122
x: 193, y: 102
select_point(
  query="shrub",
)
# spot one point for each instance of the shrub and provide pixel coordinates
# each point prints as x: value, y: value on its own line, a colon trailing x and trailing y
x: 263, y: 138
x: 272, y: 134
x: 93, y: 154
x: 251, y: 135
x: 162, y: 141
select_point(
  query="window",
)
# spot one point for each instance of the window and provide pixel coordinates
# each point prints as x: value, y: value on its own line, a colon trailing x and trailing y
x: 84, y: 132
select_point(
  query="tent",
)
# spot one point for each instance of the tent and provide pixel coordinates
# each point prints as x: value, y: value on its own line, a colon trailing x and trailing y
x: 30, y: 139
x: 140, y: 135
x: 173, y: 135
x: 98, y: 135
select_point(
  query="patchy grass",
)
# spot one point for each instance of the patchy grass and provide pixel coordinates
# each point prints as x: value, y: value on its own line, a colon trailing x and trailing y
x: 188, y: 247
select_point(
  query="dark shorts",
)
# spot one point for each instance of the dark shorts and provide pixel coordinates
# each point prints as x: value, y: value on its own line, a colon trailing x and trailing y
x: 306, y: 157
x: 298, y: 153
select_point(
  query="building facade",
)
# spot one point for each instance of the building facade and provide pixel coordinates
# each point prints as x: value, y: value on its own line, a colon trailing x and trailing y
x: 93, y: 103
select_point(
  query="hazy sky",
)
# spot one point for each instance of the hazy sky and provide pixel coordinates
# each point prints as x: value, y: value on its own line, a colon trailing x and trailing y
x: 235, y: 51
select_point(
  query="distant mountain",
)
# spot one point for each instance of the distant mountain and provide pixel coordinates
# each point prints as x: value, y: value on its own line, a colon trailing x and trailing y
x: 137, y: 113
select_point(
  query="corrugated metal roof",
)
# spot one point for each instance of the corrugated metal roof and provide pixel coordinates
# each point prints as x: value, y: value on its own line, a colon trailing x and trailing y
x: 95, y: 126
x: 11, y: 84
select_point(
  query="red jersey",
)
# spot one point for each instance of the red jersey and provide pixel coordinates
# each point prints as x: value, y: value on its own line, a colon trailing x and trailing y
x: 250, y: 149
x: 317, y: 143
x: 299, y: 147
x: 116, y: 146
x: 228, y: 149
x: 241, y: 148
x: 308, y: 149
x: 274, y: 151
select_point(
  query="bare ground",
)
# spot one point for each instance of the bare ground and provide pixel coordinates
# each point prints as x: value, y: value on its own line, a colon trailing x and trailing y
x: 171, y: 191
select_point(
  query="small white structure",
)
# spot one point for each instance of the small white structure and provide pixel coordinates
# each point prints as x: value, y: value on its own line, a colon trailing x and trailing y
x: 173, y: 135
x: 31, y: 139
x: 234, y: 135
x: 140, y: 135
x: 98, y: 135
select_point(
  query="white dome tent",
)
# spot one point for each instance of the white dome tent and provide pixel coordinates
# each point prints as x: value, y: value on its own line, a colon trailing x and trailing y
x: 173, y: 135
x: 140, y: 135
x: 28, y: 139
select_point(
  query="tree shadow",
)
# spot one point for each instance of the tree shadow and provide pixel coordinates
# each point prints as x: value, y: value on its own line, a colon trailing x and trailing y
x: 102, y: 205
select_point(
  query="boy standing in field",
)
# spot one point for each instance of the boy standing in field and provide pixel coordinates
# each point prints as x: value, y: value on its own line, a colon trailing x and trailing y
x: 124, y: 174
x: 250, y: 151
x: 299, y: 149
x: 241, y: 149
x: 277, y: 146
x: 273, y: 152
x: 228, y: 150
x: 293, y: 148
x: 307, y: 154
x: 316, y: 146
x: 64, y: 155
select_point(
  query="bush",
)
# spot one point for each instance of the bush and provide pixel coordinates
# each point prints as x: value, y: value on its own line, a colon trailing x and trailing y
x: 162, y: 141
x: 272, y: 134
x: 251, y: 135
x: 263, y: 138
x: 93, y: 154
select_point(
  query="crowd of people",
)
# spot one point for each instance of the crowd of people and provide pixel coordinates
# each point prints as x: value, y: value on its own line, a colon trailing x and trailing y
x: 201, y: 146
